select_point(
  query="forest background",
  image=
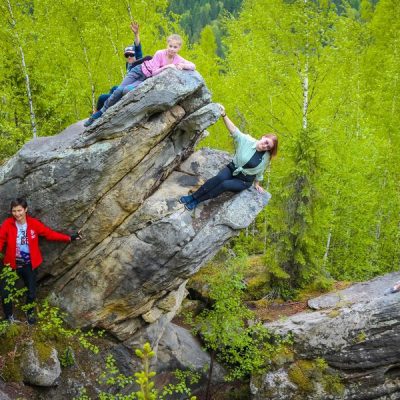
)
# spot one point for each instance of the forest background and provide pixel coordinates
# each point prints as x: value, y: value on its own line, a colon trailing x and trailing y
x: 322, y: 74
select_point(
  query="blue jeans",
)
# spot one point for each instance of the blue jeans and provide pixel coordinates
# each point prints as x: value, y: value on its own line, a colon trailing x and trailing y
x: 132, y: 79
x: 223, y: 182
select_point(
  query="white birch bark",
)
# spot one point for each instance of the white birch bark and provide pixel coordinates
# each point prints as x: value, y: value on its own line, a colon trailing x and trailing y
x: 24, y: 70
x: 305, y: 84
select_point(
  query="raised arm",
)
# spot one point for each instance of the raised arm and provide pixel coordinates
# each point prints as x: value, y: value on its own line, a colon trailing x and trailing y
x: 228, y: 123
x: 135, y: 30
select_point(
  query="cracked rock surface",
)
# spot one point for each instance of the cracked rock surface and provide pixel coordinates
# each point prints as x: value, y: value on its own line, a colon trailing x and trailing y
x: 120, y: 181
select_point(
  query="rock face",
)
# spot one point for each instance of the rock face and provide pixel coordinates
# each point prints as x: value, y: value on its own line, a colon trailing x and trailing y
x: 356, y: 332
x: 119, y: 181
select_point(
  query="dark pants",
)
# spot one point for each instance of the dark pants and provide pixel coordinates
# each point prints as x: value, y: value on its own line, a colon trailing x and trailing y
x: 132, y: 79
x: 103, y: 98
x: 29, y: 278
x: 223, y: 182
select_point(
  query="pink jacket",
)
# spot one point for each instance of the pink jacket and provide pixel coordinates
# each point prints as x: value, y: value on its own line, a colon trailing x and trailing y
x: 154, y: 66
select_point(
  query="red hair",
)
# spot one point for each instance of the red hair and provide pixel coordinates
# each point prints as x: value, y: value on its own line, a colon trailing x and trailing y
x: 274, y: 139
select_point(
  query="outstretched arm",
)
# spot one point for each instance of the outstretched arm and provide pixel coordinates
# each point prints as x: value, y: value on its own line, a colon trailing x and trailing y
x: 228, y: 123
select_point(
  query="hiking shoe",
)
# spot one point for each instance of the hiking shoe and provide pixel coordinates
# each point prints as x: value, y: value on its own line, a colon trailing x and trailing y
x: 93, y: 117
x: 186, y: 199
x: 192, y: 205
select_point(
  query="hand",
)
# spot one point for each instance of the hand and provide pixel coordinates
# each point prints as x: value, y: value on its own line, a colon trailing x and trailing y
x: 259, y: 188
x: 180, y: 66
x: 76, y: 236
x: 169, y: 66
x: 135, y: 27
x: 222, y: 110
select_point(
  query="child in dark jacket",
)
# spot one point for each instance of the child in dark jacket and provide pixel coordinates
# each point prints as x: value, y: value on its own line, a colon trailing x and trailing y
x: 20, y: 234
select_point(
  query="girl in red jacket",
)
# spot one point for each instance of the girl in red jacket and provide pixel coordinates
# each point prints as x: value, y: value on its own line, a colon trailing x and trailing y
x: 20, y: 234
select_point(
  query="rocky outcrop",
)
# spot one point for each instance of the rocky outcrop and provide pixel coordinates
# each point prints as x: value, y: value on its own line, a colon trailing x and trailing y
x: 119, y: 181
x: 349, y: 348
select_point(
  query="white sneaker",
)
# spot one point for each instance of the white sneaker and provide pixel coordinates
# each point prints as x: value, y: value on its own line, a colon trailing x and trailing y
x: 12, y: 320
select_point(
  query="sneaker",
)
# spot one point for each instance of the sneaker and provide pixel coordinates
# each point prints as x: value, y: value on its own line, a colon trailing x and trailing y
x: 186, y: 199
x: 88, y: 122
x: 12, y: 320
x: 192, y: 205
x: 93, y: 117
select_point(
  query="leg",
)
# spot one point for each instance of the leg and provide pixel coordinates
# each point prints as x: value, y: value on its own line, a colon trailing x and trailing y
x: 232, y: 185
x: 132, y: 76
x: 101, y: 100
x: 128, y: 88
x: 114, y: 98
x: 28, y: 275
x: 7, y: 306
x: 222, y: 175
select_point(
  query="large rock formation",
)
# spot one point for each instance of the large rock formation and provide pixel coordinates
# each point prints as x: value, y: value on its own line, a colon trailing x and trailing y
x: 348, y: 349
x: 119, y: 181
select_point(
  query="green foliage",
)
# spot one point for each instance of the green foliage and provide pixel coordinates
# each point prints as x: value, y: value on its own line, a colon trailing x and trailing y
x: 67, y: 358
x: 195, y: 15
x: 144, y: 379
x: 334, y: 185
x: 10, y: 277
x: 225, y: 329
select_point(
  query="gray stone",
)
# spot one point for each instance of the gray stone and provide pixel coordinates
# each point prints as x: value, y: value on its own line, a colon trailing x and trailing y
x: 39, y: 372
x: 358, y: 337
x: 179, y: 349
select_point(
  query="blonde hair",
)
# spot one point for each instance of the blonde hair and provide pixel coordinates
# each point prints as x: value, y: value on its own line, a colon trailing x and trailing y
x: 175, y: 37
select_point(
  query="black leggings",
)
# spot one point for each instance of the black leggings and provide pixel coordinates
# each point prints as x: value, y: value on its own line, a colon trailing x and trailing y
x: 28, y: 275
x: 223, y: 182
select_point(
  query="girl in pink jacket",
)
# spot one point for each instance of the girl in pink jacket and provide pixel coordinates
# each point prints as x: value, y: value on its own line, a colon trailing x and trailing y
x: 163, y: 59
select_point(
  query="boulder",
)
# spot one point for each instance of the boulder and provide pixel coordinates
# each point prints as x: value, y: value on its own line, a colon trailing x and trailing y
x: 119, y: 181
x: 348, y: 349
x: 38, y: 371
x: 178, y: 349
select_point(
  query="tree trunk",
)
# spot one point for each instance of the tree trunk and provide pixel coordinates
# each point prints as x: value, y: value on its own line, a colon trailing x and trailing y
x: 24, y: 70
x: 208, y: 394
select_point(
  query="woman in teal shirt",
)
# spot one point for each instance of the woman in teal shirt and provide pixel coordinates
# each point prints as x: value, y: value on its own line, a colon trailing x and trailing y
x: 247, y: 167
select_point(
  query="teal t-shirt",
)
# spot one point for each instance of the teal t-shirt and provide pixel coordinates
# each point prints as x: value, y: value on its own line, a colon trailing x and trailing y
x: 245, y: 148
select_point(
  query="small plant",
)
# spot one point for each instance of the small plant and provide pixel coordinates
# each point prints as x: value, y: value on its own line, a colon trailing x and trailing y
x: 67, y: 358
x: 10, y: 277
x: 361, y: 337
x: 144, y: 379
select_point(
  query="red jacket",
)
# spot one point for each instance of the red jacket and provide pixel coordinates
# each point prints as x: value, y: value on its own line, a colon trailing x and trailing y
x: 34, y: 229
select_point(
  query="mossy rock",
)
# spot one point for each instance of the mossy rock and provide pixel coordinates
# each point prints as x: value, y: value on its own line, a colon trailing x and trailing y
x: 299, y: 374
x: 308, y: 374
x: 11, y: 371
